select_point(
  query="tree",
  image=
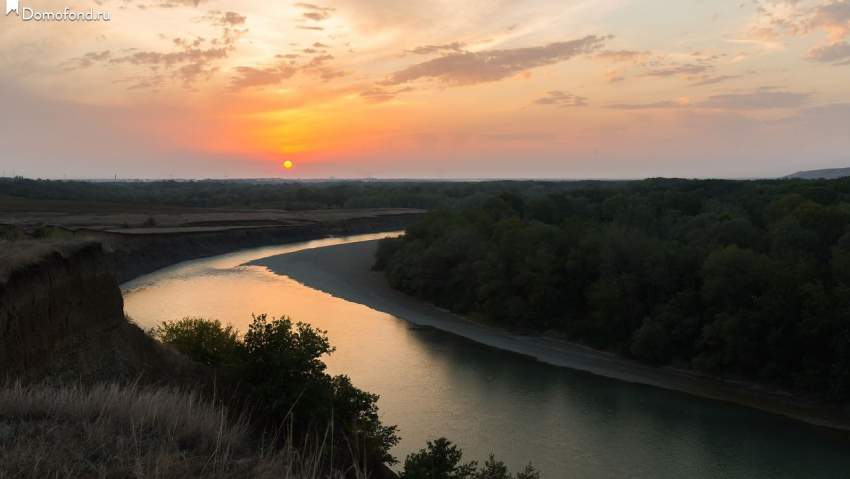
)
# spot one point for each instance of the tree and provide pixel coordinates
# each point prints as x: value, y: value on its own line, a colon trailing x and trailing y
x: 439, y: 460
x: 725, y: 270
x: 442, y: 460
x: 493, y: 469
x: 280, y: 363
x: 202, y: 340
x: 651, y: 342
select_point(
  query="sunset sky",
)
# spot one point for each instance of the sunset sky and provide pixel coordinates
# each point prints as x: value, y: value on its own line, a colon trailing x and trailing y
x: 427, y: 89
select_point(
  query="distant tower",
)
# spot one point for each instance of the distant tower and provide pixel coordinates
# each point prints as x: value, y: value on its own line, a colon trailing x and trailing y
x: 12, y: 5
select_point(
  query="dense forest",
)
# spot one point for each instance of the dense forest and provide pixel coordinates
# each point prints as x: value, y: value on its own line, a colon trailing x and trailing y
x: 747, y: 280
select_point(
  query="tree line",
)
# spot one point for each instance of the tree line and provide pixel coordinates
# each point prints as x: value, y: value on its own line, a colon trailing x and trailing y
x: 746, y: 280
x: 292, y: 195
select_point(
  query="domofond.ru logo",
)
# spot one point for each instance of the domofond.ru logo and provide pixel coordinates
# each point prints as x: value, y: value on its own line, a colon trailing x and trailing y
x: 66, y: 14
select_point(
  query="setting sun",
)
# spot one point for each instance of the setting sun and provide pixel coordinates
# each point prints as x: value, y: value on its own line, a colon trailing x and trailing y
x: 287, y: 164
x: 572, y: 89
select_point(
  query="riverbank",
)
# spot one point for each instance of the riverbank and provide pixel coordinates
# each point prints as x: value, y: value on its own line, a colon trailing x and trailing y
x: 140, y: 239
x: 61, y: 309
x: 344, y: 271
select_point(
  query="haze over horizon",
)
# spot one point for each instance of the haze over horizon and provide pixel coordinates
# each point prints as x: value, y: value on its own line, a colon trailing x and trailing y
x: 482, y: 89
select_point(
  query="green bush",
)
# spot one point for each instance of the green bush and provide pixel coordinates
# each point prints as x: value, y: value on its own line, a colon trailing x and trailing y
x: 203, y: 340
x: 280, y: 363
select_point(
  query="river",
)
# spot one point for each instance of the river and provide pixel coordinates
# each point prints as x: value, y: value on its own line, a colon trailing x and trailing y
x: 568, y: 424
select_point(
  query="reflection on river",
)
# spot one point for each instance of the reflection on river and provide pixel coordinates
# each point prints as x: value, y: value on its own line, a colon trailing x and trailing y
x: 569, y: 424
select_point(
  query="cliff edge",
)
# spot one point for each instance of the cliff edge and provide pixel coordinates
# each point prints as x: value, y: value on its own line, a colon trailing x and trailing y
x: 62, y: 316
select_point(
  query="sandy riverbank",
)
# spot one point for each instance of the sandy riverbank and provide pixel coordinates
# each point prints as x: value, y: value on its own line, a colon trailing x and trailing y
x: 344, y: 271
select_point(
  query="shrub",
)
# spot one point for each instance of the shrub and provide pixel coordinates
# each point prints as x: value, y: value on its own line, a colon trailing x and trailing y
x: 442, y: 460
x: 202, y: 340
x: 281, y: 364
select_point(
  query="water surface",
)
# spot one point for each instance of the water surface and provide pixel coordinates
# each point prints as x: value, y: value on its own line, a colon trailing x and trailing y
x: 432, y: 384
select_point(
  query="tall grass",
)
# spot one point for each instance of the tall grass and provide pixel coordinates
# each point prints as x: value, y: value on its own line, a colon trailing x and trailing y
x: 17, y: 253
x: 113, y: 430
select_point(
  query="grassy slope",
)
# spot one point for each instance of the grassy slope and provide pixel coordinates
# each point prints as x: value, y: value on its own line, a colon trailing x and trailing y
x: 131, y: 431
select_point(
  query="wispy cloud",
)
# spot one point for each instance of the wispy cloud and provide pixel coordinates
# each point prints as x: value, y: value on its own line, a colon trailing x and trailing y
x: 469, y: 68
x: 561, y: 99
x: 315, y: 12
x: 762, y: 99
x: 445, y: 48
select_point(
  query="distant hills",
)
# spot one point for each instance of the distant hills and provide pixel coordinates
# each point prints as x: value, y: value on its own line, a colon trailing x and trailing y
x: 828, y: 174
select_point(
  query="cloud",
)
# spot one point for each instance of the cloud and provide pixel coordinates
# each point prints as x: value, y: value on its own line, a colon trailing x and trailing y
x: 715, y: 80
x: 89, y: 59
x: 761, y: 99
x: 233, y: 18
x: 380, y: 95
x: 377, y: 95
x: 625, y: 56
x: 561, y: 99
x: 829, y: 119
x: 319, y: 61
x: 250, y: 77
x: 621, y: 61
x: 310, y: 6
x: 833, y: 17
x: 171, y: 4
x: 328, y: 74
x: 307, y: 27
x: 315, y: 16
x: 189, y: 64
x: 432, y: 49
x: 689, y: 70
x: 217, y: 18
x: 315, y: 13
x: 835, y: 52
x: 286, y: 67
x: 647, y: 106
x: 469, y: 68
x: 758, y: 100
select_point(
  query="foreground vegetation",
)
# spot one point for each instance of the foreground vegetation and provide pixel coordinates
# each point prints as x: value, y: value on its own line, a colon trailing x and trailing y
x: 132, y: 431
x: 742, y: 279
x: 442, y: 460
x: 280, y: 363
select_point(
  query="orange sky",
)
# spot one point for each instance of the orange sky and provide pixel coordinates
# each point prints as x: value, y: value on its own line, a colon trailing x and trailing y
x: 436, y: 89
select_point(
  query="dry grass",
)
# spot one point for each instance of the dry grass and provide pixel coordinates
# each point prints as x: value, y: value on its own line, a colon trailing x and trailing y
x: 113, y: 431
x: 14, y: 254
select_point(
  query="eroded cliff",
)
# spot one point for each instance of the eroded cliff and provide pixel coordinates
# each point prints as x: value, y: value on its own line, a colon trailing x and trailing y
x: 62, y: 316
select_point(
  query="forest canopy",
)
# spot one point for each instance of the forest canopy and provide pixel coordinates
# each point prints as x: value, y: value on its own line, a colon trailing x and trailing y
x: 747, y: 280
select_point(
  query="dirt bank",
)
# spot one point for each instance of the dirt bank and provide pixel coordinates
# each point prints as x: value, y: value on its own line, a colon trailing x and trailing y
x: 62, y: 316
x: 135, y: 252
x: 62, y: 313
